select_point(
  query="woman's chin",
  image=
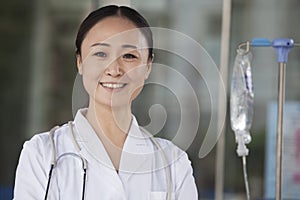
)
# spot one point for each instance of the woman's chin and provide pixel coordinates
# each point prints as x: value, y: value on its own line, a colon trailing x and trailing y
x: 113, y: 104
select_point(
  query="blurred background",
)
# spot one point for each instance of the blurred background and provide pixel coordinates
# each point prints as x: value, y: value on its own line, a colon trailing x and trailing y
x: 38, y: 69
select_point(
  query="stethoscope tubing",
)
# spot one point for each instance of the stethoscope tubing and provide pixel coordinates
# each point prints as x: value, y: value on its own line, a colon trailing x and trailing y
x: 55, y: 160
x: 49, y: 180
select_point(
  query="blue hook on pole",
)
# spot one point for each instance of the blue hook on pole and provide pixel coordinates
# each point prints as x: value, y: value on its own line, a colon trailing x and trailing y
x: 260, y: 42
x: 283, y: 47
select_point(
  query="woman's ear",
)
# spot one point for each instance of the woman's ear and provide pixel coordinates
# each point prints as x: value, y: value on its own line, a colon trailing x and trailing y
x: 148, y: 70
x: 149, y: 66
x: 79, y: 63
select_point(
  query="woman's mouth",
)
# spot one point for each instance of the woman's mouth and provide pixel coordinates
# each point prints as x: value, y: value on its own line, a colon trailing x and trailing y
x: 113, y: 85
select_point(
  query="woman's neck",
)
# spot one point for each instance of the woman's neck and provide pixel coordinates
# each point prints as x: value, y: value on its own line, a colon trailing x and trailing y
x: 110, y: 123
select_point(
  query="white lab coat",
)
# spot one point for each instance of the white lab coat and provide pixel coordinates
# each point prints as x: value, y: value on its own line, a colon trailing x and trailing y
x: 141, y: 175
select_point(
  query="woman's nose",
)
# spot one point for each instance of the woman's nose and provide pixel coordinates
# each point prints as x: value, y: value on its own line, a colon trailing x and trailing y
x: 114, y: 69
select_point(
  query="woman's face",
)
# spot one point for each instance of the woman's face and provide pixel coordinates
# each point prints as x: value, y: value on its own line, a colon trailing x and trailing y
x: 114, y: 62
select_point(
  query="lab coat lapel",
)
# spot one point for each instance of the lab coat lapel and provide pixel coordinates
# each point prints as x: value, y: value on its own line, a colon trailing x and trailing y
x: 89, y: 141
x: 137, y: 153
x: 93, y: 150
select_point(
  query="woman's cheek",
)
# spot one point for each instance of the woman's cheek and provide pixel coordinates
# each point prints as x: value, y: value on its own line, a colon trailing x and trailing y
x: 89, y: 85
x: 90, y: 77
x: 137, y: 77
x: 93, y: 70
x: 137, y: 74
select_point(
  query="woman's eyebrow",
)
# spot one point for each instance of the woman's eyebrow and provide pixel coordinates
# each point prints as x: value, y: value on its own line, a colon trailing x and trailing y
x: 130, y: 46
x: 100, y: 44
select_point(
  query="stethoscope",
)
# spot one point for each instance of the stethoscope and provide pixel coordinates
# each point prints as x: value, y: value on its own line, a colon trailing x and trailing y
x: 55, y: 160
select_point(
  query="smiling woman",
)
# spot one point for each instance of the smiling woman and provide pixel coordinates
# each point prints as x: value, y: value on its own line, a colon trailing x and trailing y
x: 117, y: 59
x: 104, y: 152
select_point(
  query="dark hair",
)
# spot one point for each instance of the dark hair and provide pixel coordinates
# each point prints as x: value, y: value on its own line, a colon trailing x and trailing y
x: 109, y: 11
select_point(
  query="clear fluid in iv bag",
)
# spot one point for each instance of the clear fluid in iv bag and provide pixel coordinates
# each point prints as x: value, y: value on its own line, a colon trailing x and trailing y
x: 241, y: 99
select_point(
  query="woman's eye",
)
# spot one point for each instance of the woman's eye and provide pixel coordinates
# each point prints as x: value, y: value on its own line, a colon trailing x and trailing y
x: 129, y: 56
x: 100, y: 54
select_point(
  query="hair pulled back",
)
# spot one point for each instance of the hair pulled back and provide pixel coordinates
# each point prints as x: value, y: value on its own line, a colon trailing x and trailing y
x: 110, y: 11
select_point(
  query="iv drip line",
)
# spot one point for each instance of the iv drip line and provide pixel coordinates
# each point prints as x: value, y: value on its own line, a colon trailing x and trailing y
x: 246, y: 177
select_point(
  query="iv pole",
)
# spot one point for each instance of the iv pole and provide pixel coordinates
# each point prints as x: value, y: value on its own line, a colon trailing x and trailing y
x: 282, y: 47
x: 281, y: 97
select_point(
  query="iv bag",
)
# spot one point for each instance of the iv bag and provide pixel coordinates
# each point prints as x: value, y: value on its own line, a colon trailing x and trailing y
x: 242, y: 97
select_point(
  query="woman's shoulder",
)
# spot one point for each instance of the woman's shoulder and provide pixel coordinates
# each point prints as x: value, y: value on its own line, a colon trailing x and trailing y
x: 44, y: 137
x: 170, y: 147
x: 42, y: 142
x: 171, y: 150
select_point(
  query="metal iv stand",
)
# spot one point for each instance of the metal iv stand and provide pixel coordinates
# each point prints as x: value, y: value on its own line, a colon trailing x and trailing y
x: 282, y: 47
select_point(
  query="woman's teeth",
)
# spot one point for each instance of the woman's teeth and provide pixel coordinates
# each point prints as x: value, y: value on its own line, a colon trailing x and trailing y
x: 113, y: 85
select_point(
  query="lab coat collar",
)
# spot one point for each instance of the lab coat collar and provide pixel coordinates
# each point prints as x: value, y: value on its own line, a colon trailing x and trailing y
x: 137, y: 151
x: 90, y: 145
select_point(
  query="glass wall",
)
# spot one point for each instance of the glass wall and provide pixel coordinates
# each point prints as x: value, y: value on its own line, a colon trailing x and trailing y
x: 39, y: 69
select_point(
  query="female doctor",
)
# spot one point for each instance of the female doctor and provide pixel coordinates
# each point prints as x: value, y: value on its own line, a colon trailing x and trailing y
x: 104, y: 154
